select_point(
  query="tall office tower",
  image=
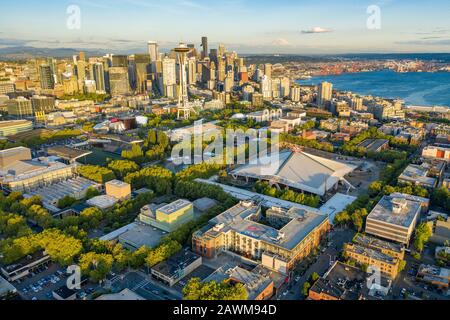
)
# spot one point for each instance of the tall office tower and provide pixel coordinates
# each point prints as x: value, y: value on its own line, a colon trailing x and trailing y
x: 120, y: 61
x: 285, y: 85
x: 70, y: 84
x: 42, y: 104
x: 324, y: 94
x: 357, y: 103
x: 229, y: 81
x: 53, y: 66
x: 132, y: 72
x: 221, y: 50
x: 169, y: 73
x: 192, y: 71
x: 99, y: 76
x: 266, y: 87
x: 118, y: 81
x: 82, y: 56
x: 19, y: 107
x: 221, y: 70
x: 204, y: 47
x: 143, y: 70
x: 81, y: 70
x: 153, y: 50
x: 268, y: 70
x: 184, y: 108
x: 276, y: 88
x: 46, y: 77
x: 295, y: 94
x: 214, y: 56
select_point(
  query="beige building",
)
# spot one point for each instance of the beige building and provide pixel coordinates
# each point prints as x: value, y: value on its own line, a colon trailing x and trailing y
x: 8, y: 128
x: 395, y: 217
x: 19, y: 173
x: 277, y: 247
x: 388, y: 266
x: 118, y: 189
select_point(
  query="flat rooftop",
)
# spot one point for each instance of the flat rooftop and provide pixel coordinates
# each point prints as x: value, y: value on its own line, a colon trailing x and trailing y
x: 117, y: 183
x: 4, y: 124
x: 384, y: 211
x: 239, y: 219
x: 342, y: 282
x: 172, y: 266
x: 373, y: 144
x: 67, y: 153
x: 142, y: 235
x: 370, y: 241
x: 174, y: 206
x: 416, y: 173
x: 371, y: 253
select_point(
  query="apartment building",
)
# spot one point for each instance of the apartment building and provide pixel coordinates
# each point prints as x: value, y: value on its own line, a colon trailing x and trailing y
x: 277, y: 247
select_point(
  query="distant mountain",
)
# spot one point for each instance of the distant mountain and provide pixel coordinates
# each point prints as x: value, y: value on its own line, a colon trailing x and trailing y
x: 23, y: 52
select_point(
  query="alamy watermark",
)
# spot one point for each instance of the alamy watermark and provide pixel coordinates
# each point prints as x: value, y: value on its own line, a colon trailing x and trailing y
x: 374, y: 19
x: 73, y: 21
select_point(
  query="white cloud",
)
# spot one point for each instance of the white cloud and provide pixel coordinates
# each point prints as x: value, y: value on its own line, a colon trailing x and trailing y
x: 281, y: 42
x: 316, y: 30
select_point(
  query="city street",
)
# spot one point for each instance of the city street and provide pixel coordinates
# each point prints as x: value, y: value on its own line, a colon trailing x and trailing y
x: 320, y: 264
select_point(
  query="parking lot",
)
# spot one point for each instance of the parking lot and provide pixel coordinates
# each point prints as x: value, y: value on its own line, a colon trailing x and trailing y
x: 143, y: 285
x: 39, y: 285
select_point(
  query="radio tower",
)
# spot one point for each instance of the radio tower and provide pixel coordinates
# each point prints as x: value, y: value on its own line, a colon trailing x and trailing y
x: 184, y: 108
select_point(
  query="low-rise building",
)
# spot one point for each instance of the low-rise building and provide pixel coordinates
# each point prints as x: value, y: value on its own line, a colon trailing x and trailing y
x: 344, y: 282
x: 436, y: 276
x: 118, y: 189
x: 103, y: 202
x: 390, y: 248
x: 388, y: 265
x: 23, y: 267
x: 418, y: 175
x: 441, y: 230
x: 395, y: 217
x: 137, y: 235
x: 167, y: 217
x: 8, y: 128
x: 375, y: 145
x: 258, y: 285
x: 238, y: 230
x: 18, y: 172
x: 435, y: 152
x: 176, y: 267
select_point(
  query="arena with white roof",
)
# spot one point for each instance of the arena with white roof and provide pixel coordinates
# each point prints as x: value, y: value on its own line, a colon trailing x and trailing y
x: 298, y: 170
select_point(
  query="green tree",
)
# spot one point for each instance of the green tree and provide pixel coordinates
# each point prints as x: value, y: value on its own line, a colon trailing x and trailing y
x: 96, y: 266
x: 123, y: 167
x: 66, y: 202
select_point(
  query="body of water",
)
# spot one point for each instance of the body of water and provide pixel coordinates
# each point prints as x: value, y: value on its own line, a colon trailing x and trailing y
x: 415, y: 88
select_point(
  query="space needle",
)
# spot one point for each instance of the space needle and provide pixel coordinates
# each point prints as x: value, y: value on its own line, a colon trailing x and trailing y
x: 184, y: 108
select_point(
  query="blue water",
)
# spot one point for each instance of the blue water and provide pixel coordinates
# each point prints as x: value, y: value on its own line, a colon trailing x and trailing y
x: 416, y: 88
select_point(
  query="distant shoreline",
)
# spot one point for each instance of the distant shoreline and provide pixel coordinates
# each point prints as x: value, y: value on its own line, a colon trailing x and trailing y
x: 415, y: 88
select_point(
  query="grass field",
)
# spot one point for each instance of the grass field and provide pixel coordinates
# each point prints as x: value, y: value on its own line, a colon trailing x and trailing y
x: 100, y: 157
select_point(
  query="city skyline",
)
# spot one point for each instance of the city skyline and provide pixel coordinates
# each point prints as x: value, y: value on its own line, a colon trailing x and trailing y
x: 300, y: 27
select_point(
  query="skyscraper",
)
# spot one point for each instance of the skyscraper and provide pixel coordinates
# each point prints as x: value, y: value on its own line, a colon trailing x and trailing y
x: 143, y: 70
x: 153, y: 50
x: 168, y: 78
x: 268, y: 70
x: 324, y: 94
x: 118, y: 81
x: 46, y: 77
x: 99, y: 76
x: 205, y: 47
x: 120, y: 61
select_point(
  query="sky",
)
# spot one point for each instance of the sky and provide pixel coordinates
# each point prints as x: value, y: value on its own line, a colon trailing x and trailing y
x: 247, y: 26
